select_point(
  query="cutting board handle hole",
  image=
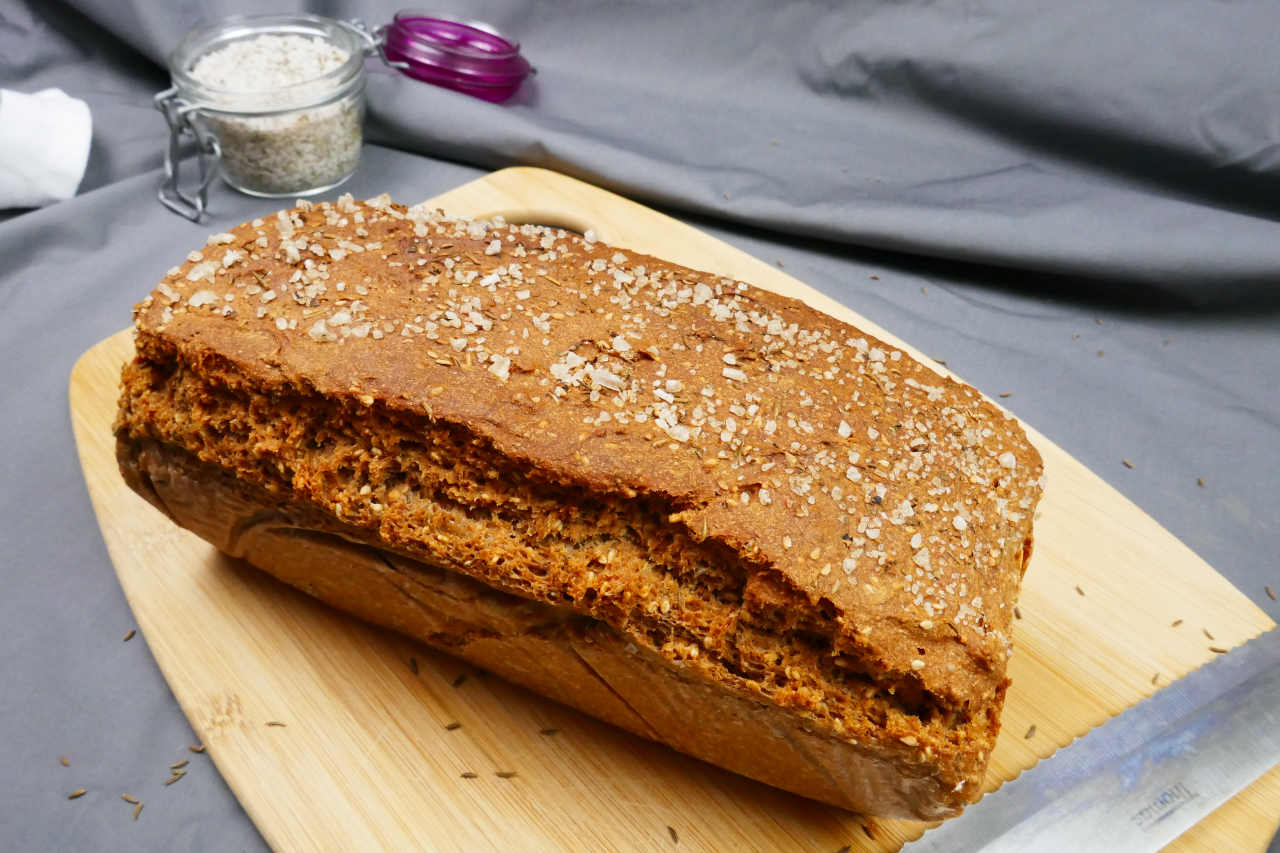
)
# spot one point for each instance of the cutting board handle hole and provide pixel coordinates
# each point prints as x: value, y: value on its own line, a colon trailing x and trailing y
x: 549, y: 218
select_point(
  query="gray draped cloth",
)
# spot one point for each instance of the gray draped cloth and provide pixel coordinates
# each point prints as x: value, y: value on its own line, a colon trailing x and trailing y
x: 1072, y: 203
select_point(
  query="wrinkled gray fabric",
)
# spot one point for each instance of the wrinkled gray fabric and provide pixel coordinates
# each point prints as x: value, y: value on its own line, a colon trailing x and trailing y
x: 1133, y: 141
x: 52, y: 46
x: 1111, y: 368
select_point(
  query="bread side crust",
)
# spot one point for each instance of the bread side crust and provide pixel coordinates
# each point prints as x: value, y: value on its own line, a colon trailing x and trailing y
x: 553, y: 651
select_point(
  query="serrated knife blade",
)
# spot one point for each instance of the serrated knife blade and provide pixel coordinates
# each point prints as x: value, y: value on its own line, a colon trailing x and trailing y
x: 1142, y: 778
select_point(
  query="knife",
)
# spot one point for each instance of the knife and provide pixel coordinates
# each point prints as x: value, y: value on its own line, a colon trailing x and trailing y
x: 1141, y: 779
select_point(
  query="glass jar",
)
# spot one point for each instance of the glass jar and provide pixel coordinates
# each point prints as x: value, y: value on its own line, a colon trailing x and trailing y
x: 288, y: 140
x: 304, y: 138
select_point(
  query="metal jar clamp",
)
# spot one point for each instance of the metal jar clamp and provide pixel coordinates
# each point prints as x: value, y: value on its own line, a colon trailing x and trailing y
x: 183, y: 120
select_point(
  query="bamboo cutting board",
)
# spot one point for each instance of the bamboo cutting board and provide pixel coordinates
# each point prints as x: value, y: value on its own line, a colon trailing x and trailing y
x: 366, y: 759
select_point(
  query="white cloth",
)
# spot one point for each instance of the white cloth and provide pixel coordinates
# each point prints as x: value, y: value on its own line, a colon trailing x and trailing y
x: 44, y: 147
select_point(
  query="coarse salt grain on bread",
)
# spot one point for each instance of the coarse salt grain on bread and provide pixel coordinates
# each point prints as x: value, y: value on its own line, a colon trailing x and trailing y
x: 702, y: 511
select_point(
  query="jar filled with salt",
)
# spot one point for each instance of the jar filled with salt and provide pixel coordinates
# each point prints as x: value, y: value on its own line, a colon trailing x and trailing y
x: 275, y: 104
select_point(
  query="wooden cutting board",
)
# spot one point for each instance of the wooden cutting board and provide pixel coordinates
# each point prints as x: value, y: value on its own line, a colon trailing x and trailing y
x: 367, y: 760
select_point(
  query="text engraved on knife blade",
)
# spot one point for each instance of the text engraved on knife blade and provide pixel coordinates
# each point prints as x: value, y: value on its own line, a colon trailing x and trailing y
x: 1165, y: 803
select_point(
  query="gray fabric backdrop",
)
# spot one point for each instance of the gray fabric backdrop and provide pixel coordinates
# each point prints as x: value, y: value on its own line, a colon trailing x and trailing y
x: 1075, y: 204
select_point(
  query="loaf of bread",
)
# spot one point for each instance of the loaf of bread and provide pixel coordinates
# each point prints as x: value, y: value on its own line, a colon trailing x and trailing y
x: 701, y: 511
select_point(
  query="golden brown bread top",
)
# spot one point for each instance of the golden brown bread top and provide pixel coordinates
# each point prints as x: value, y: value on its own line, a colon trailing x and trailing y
x: 866, y: 480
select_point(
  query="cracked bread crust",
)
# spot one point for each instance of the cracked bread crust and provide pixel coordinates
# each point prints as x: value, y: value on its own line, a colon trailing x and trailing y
x: 794, y: 488
x: 554, y: 651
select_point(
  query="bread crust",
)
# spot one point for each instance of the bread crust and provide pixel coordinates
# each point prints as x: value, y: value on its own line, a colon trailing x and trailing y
x: 553, y: 651
x: 789, y: 483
